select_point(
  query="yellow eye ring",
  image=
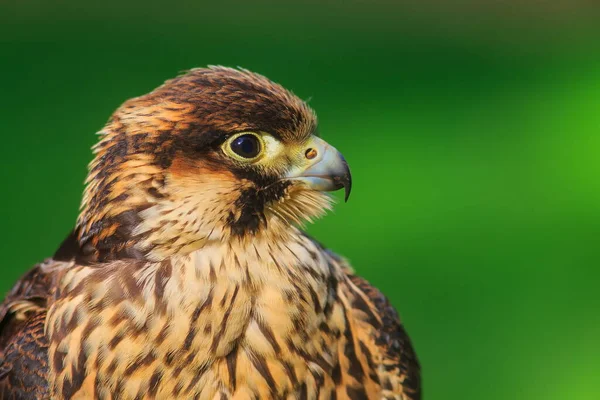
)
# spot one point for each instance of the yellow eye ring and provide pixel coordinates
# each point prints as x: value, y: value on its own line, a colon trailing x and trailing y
x: 244, y: 146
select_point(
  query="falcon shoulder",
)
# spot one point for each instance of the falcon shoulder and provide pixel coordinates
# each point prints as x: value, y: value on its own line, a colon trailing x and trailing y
x: 390, y: 359
x: 23, y: 344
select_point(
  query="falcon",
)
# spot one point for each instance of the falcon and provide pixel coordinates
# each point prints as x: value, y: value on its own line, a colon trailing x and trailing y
x: 188, y: 275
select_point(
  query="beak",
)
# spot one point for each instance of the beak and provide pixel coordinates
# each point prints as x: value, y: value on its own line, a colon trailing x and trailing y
x: 324, y: 169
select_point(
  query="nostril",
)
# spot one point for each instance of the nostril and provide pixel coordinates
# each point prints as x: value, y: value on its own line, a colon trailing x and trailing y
x: 310, y: 153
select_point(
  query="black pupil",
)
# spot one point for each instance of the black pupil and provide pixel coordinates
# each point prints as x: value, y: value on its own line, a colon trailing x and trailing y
x: 246, y: 146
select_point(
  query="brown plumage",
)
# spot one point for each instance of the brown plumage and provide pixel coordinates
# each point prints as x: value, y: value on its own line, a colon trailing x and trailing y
x: 187, y: 275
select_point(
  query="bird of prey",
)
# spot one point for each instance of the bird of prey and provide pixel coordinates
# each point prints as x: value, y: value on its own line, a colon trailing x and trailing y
x: 188, y: 276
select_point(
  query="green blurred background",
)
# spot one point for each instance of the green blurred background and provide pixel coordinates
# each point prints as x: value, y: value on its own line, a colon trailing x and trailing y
x: 472, y: 130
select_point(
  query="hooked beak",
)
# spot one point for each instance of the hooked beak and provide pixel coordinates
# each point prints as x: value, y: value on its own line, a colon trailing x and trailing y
x: 324, y: 169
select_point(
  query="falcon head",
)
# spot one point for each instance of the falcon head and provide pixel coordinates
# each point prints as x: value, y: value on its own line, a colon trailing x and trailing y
x: 216, y: 154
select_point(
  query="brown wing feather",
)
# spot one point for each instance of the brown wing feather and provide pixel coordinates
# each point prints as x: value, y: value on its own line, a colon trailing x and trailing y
x: 24, y: 367
x: 398, y: 372
x: 23, y: 345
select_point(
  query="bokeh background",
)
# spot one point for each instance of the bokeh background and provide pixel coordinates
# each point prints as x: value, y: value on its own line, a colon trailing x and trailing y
x: 472, y: 129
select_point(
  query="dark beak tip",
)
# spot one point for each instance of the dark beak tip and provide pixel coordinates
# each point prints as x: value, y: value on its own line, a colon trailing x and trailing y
x: 347, y: 181
x: 347, y: 190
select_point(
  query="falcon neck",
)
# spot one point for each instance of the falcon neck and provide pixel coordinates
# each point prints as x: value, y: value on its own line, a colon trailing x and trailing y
x: 262, y: 294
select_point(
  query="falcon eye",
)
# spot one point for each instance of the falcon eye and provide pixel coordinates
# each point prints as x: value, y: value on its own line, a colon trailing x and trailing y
x: 247, y: 146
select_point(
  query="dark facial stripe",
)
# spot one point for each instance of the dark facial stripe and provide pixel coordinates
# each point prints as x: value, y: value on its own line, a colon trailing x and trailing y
x: 252, y: 203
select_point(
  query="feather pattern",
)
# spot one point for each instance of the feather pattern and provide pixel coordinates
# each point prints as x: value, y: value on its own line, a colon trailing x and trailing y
x: 187, y: 275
